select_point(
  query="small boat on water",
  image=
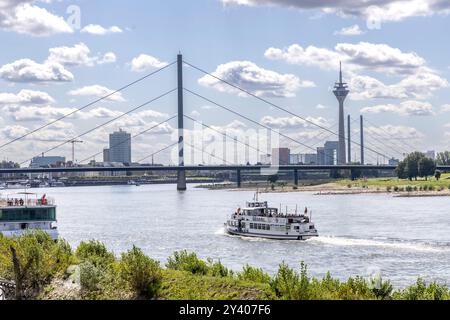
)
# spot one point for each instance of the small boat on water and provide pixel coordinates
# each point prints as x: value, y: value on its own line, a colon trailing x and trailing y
x: 24, y: 211
x: 259, y: 220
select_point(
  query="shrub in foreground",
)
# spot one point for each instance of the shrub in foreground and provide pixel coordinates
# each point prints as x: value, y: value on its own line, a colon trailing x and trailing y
x: 185, y: 261
x: 142, y: 274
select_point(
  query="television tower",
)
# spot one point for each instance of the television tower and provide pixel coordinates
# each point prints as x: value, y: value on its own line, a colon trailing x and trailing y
x: 341, y: 92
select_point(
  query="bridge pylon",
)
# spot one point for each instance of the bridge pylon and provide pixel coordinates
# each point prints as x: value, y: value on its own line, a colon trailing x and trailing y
x: 181, y: 179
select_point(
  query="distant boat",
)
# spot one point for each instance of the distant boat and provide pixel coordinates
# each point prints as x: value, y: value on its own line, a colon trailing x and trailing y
x: 259, y: 220
x: 57, y: 184
x: 14, y: 186
x: 133, y: 183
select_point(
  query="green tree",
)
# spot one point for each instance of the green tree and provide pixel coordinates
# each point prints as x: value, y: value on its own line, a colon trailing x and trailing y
x: 415, y: 165
x: 443, y: 158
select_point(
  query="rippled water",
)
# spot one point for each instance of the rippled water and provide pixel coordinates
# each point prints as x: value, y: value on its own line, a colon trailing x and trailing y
x: 403, y: 238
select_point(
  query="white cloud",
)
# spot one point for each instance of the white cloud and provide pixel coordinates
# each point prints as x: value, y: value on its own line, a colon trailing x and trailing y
x: 109, y: 57
x: 259, y: 81
x: 354, y: 30
x: 397, y: 132
x: 26, y: 70
x: 96, y: 91
x: 406, y: 108
x: 22, y: 16
x: 78, y: 55
x: 362, y: 56
x: 146, y: 62
x: 445, y: 108
x: 26, y: 97
x: 294, y: 122
x: 98, y: 30
x: 372, y: 10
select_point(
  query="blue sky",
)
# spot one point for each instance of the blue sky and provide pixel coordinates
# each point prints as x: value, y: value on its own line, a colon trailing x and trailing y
x: 395, y: 57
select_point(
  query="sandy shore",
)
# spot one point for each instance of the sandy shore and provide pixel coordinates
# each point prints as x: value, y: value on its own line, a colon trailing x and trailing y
x: 338, y: 189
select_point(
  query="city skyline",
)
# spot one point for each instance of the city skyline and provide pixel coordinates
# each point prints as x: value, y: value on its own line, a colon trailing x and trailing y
x: 398, y: 84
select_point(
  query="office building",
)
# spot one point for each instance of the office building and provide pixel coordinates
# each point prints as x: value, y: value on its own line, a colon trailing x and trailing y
x: 281, y: 156
x: 120, y: 147
x: 47, y: 162
x: 331, y: 152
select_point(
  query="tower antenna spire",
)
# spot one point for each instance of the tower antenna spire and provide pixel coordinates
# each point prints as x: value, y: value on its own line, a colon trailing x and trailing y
x: 340, y: 71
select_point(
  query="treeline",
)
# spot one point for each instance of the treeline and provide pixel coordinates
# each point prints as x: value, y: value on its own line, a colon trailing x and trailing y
x: 38, y: 264
x: 417, y: 164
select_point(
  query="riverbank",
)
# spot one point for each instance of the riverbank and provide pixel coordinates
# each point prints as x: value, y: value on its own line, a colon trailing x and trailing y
x: 392, y: 186
x: 90, y: 272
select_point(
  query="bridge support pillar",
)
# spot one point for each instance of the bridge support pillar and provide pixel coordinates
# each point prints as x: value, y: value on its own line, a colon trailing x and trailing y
x: 296, y: 177
x: 181, y: 181
x: 238, y: 178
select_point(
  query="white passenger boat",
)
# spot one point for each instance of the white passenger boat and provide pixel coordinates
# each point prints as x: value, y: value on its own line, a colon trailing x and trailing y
x: 259, y: 220
x: 25, y: 211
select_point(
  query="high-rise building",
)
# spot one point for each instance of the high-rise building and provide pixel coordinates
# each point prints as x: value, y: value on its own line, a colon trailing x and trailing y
x: 294, y: 159
x: 321, y: 156
x: 120, y: 147
x: 281, y: 156
x: 331, y: 152
x: 105, y: 155
x: 341, y: 92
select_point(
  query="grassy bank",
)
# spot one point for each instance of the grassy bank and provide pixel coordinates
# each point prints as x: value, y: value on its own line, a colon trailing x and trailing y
x: 44, y: 269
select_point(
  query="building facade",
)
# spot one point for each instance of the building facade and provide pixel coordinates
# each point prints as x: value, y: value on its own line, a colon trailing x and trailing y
x: 281, y: 156
x: 120, y: 147
x: 331, y: 153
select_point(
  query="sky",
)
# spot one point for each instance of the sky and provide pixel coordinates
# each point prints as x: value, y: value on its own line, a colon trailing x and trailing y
x: 61, y: 55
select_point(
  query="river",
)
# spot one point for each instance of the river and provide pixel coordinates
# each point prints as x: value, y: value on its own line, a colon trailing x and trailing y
x: 401, y: 238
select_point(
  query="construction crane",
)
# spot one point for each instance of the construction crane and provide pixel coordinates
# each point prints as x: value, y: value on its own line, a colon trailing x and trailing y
x: 73, y: 142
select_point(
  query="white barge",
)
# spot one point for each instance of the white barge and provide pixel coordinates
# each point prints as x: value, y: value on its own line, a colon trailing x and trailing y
x: 25, y: 211
x: 259, y: 220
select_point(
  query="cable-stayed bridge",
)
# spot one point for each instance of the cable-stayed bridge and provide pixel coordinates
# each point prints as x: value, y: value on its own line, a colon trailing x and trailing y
x: 378, y: 143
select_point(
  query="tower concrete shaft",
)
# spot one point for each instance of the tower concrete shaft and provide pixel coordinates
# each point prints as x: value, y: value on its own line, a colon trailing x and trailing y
x: 341, y: 92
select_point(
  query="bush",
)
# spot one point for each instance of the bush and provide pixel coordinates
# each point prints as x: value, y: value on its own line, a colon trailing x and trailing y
x: 39, y: 259
x: 422, y: 291
x: 289, y: 285
x: 217, y: 269
x: 184, y: 261
x: 142, y: 274
x: 252, y: 274
x: 388, y: 188
x: 96, y: 253
x: 396, y: 189
x: 409, y: 189
x: 90, y: 276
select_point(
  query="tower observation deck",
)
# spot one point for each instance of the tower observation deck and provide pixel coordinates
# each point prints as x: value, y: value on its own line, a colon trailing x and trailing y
x: 341, y: 92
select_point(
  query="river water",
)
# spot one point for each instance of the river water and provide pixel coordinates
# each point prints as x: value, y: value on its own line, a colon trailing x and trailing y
x: 401, y: 238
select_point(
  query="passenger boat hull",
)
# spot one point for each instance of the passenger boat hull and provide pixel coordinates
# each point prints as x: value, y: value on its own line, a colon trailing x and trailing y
x: 273, y: 236
x: 17, y: 233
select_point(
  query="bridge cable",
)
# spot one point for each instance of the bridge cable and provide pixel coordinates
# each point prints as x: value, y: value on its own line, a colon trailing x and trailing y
x: 249, y: 119
x: 85, y: 106
x: 104, y: 124
x: 159, y: 151
x: 132, y: 137
x: 270, y: 103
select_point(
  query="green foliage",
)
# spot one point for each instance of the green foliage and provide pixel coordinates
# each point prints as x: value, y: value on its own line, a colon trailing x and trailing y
x: 388, y: 188
x: 252, y: 274
x: 96, y: 253
x: 217, y: 269
x: 421, y: 291
x: 290, y: 285
x: 443, y: 158
x: 182, y: 260
x: 40, y: 258
x: 415, y: 165
x: 438, y: 175
x: 141, y: 273
x: 90, y: 276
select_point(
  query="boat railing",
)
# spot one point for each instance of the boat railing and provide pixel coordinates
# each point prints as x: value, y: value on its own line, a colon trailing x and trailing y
x: 21, y: 202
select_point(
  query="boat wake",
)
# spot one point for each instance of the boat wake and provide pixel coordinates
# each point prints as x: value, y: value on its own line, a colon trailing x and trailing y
x: 388, y: 243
